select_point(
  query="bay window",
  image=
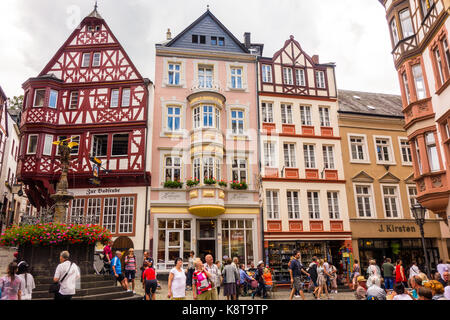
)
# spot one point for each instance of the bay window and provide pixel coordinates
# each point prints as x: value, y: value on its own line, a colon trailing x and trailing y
x: 394, y: 31
x: 48, y: 145
x: 39, y: 98
x: 419, y: 81
x: 32, y: 144
x: 406, y: 87
x: 53, y: 99
x: 406, y: 23
x: 433, y: 157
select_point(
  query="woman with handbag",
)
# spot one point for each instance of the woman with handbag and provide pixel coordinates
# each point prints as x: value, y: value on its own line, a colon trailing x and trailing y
x: 11, y: 284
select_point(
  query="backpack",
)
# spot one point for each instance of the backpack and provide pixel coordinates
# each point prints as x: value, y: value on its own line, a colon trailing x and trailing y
x: 313, y: 271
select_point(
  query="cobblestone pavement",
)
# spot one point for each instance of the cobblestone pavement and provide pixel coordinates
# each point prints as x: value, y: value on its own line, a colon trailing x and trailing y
x: 280, y: 294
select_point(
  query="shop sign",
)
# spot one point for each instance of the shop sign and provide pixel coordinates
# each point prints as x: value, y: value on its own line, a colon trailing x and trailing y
x: 102, y: 191
x: 237, y: 235
x: 240, y: 197
x: 392, y: 228
x: 172, y: 196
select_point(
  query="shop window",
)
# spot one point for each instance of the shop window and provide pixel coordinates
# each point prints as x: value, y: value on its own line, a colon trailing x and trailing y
x: 237, y: 240
x: 126, y: 215
x: 77, y: 210
x: 94, y: 209
x: 174, y: 240
x: 110, y: 214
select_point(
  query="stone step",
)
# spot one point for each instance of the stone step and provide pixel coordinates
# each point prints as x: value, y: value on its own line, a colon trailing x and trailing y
x: 82, y: 292
x: 107, y: 296
x: 84, y: 285
x: 84, y: 278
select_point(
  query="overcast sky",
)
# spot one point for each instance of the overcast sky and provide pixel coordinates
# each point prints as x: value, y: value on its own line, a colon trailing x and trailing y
x: 351, y: 33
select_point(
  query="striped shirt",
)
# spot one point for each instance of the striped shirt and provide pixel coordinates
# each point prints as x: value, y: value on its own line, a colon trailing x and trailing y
x: 130, y: 263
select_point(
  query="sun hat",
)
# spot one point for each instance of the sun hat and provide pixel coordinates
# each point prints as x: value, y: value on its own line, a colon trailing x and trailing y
x: 360, y: 278
x: 260, y: 262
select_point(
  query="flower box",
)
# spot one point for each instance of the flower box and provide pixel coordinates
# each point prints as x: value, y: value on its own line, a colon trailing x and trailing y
x: 239, y: 185
x: 173, y: 184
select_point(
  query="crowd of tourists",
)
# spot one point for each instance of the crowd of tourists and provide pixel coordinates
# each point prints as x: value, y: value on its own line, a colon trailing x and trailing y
x: 395, y: 282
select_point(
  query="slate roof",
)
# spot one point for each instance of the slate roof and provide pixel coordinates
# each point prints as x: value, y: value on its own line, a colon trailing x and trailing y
x: 378, y: 104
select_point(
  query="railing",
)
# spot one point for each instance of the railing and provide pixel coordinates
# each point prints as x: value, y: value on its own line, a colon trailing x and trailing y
x: 47, y: 216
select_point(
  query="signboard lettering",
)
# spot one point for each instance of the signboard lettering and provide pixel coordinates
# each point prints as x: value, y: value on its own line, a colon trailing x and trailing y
x: 393, y: 228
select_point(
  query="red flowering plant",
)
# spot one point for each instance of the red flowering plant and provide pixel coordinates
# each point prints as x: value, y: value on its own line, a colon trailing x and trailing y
x: 239, y: 185
x: 54, y: 234
x: 192, y: 182
x: 223, y: 183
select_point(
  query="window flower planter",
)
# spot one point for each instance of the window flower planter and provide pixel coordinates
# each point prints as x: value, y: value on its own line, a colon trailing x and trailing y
x: 210, y: 181
x: 173, y: 184
x: 239, y: 185
x: 192, y: 183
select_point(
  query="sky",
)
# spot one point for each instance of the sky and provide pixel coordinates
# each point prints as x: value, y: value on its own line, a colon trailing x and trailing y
x: 351, y: 33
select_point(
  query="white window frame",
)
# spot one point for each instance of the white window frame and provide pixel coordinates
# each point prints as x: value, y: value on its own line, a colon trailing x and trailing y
x: 401, y: 141
x: 438, y: 56
x: 389, y: 148
x: 320, y: 79
x: 270, y: 154
x: 172, y: 168
x: 396, y: 197
x: 236, y: 78
x: 126, y: 98
x: 418, y: 155
x: 406, y: 23
x: 305, y: 115
x: 293, y: 204
x: 96, y: 59
x: 433, y: 157
x: 107, y: 145
x: 174, y: 116
x: 28, y: 143
x: 204, y: 80
x: 35, y: 96
x: 333, y: 205
x: 406, y: 87
x: 70, y: 107
x: 239, y: 128
x: 313, y: 204
x: 236, y: 168
x: 289, y: 155
x: 300, y: 77
x: 309, y: 156
x: 328, y: 157
x: 394, y: 31
x: 286, y: 113
x: 419, y: 81
x: 48, y: 145
x: 324, y: 114
x: 272, y: 204
x: 53, y: 92
x: 114, y: 103
x: 85, y: 63
x: 172, y: 69
x: 267, y: 112
x: 288, y: 77
x: 267, y: 73
x: 370, y: 196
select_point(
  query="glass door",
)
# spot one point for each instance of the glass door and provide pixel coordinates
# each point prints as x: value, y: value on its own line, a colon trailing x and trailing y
x: 206, y: 238
x: 173, y: 246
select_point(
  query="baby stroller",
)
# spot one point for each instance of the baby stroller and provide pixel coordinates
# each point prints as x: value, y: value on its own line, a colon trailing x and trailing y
x: 106, y: 269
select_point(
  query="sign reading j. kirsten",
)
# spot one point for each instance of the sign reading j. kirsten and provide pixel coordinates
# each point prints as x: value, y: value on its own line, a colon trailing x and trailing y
x: 392, y: 228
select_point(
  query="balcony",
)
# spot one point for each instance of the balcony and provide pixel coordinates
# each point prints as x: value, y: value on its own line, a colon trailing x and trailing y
x: 206, y: 201
x: 209, y: 86
x: 433, y: 191
x: 417, y: 111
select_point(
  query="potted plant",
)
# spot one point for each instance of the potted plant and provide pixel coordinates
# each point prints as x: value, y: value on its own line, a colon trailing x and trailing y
x: 192, y: 182
x: 223, y: 183
x: 173, y: 184
x: 209, y: 181
x: 239, y: 185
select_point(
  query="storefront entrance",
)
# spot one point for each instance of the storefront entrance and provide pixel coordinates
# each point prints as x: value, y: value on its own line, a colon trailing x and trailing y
x: 206, y: 238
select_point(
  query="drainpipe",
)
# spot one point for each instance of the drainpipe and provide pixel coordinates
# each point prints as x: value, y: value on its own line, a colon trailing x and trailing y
x: 145, y: 171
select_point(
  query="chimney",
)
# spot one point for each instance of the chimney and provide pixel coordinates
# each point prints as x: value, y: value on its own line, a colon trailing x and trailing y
x: 247, y: 41
x: 315, y: 59
x: 168, y: 35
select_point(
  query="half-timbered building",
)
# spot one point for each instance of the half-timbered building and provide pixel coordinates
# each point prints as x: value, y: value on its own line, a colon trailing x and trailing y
x: 91, y: 91
x: 304, y: 196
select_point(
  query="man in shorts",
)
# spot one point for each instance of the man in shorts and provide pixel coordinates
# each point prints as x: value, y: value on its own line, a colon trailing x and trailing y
x: 295, y: 270
x: 116, y: 270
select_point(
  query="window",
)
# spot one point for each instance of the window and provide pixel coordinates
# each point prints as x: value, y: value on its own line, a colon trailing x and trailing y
x: 293, y: 205
x: 77, y: 210
x: 114, y: 98
x: 173, y: 118
x: 39, y: 98
x: 289, y: 155
x: 32, y: 144
x: 208, y: 117
x: 198, y: 39
x: 196, y: 115
x: 218, y: 41
x: 74, y: 149
x: 214, y: 41
x: 419, y: 161
x: 239, y: 170
x: 202, y: 39
x: 194, y: 38
x: 272, y: 204
x: 48, y: 145
x: 73, y: 104
x: 328, y: 157
x: 269, y: 154
x: 333, y: 205
x: 237, y: 121
x: 406, y: 152
x: 266, y: 73
x: 305, y: 115
x: 363, y: 201
x: 197, y: 169
x: 100, y: 145
x: 208, y: 168
x: 433, y: 157
x: 205, y: 75
x: 267, y: 112
x: 126, y: 97
x: 406, y: 23
x: 406, y: 86
x: 300, y: 77
x: 437, y: 55
x: 172, y: 169
x: 174, y: 73
x: 390, y: 201
x: 119, y: 144
x: 309, y: 155
x: 238, y: 239
x: 172, y: 243
x: 324, y: 117
x: 286, y: 114
x: 96, y: 59
x: 320, y: 79
x: 313, y: 205
x: 425, y: 5
x: 86, y: 60
x: 110, y: 214
x: 446, y: 53
x: 394, y: 31
x: 126, y: 214
x: 221, y: 41
x: 287, y: 76
x: 419, y: 82
x: 94, y: 209
x: 382, y: 148
x: 412, y: 195
x: 236, y: 78
x: 53, y: 100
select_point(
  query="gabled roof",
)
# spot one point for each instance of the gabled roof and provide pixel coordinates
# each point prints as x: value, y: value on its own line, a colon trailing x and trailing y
x: 375, y: 104
x: 201, y: 18
x: 362, y: 177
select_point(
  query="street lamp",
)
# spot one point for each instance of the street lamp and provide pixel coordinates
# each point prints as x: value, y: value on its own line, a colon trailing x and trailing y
x: 419, y: 212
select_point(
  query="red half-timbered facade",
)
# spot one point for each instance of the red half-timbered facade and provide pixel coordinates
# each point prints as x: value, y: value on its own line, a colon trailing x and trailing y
x: 90, y: 90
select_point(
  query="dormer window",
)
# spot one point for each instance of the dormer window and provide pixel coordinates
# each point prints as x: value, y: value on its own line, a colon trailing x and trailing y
x: 320, y: 79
